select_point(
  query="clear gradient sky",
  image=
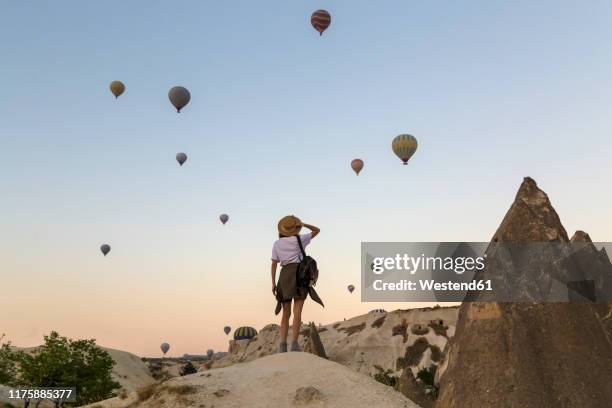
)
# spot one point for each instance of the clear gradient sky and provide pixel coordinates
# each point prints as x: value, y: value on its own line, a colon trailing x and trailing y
x: 493, y: 90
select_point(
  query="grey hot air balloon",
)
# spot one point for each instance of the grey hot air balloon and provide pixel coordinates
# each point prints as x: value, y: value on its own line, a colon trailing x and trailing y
x: 117, y: 88
x: 179, y: 97
x: 210, y: 353
x: 165, y: 347
x: 224, y: 218
x: 181, y: 158
x: 105, y: 249
x: 227, y: 329
x: 351, y: 288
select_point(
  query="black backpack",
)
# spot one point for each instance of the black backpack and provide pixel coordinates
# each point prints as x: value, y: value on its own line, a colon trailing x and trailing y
x: 307, y: 271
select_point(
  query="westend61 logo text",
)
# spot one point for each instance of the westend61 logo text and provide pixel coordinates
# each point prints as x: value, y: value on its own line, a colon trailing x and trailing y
x: 412, y: 264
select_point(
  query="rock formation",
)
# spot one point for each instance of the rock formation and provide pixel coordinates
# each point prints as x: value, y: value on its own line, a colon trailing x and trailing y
x: 528, y: 354
x: 314, y: 344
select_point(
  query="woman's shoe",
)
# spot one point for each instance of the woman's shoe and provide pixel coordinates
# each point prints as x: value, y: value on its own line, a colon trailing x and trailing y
x: 282, y: 348
x: 295, y: 346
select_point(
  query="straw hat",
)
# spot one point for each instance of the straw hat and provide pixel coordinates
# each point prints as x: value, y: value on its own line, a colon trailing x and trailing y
x: 289, y: 225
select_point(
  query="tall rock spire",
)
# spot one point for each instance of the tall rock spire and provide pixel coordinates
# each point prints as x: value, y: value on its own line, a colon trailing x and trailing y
x: 528, y: 355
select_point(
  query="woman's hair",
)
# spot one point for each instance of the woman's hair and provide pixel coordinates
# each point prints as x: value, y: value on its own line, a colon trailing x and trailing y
x: 282, y: 236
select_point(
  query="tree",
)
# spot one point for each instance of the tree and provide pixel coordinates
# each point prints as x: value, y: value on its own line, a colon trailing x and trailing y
x: 63, y: 362
x: 8, y: 364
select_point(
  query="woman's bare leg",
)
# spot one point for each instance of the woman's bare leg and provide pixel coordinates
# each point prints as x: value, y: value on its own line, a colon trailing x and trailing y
x: 298, y: 304
x: 284, y: 329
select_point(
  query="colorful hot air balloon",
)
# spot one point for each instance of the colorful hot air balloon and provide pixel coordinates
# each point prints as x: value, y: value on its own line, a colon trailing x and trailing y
x: 164, y: 348
x: 224, y: 218
x: 244, y: 333
x: 320, y: 20
x: 227, y: 329
x: 117, y: 88
x: 351, y: 288
x: 105, y: 249
x: 357, y: 165
x: 181, y: 158
x: 179, y: 97
x: 210, y: 353
x: 404, y: 147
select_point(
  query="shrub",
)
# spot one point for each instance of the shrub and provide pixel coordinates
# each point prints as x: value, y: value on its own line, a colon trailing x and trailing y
x: 387, y: 378
x: 188, y: 369
x: 427, y: 376
x: 8, y: 364
x: 63, y: 362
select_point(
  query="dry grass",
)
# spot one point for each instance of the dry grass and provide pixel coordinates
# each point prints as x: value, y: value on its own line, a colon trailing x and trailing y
x: 146, y: 392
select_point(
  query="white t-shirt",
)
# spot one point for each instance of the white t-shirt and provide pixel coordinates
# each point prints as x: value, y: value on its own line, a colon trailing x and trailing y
x: 287, y: 250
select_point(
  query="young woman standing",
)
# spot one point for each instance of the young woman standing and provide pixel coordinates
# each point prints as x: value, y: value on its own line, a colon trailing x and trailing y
x: 286, y: 251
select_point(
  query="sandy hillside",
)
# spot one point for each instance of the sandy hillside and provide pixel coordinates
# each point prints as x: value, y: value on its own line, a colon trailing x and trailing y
x: 130, y: 371
x: 280, y: 380
x: 412, y: 338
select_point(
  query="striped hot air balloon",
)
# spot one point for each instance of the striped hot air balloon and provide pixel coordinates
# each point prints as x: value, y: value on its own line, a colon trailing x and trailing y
x: 245, y: 333
x: 404, y: 147
x: 320, y: 20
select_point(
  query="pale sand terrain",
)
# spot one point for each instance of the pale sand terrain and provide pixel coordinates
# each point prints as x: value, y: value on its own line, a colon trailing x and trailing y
x: 130, y: 371
x: 272, y: 381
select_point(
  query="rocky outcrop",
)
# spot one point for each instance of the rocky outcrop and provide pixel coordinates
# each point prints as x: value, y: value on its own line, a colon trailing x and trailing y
x: 369, y: 343
x: 528, y: 355
x: 313, y: 343
x: 411, y: 388
x: 280, y: 380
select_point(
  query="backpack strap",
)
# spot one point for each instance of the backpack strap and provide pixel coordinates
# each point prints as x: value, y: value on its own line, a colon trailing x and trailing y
x: 301, y: 247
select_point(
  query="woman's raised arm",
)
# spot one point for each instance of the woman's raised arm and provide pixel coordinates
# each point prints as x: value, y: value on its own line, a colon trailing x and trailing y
x: 315, y: 230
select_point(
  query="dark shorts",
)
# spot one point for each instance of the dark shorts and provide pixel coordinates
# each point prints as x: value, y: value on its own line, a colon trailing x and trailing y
x: 287, y: 284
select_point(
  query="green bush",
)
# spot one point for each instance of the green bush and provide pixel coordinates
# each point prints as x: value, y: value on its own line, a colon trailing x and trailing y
x: 63, y: 362
x: 8, y: 364
x: 427, y: 377
x: 188, y: 368
x: 387, y: 378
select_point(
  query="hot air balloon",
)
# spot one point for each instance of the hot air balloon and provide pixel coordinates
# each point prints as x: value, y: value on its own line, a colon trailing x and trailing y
x: 117, y: 88
x: 320, y: 20
x: 404, y: 147
x: 244, y: 333
x: 105, y: 249
x: 179, y: 97
x: 165, y: 347
x: 357, y: 165
x: 227, y: 329
x: 181, y: 158
x: 210, y: 353
x: 351, y: 288
x: 224, y: 218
